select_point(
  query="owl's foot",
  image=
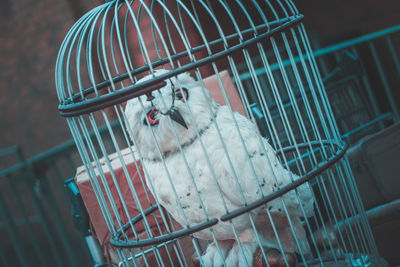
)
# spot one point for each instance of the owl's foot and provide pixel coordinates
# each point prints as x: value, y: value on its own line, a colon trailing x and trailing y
x: 252, y: 256
x: 214, y: 255
x: 241, y: 255
x: 274, y: 257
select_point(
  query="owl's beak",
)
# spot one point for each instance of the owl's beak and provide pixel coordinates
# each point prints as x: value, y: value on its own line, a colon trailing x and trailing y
x: 177, y: 117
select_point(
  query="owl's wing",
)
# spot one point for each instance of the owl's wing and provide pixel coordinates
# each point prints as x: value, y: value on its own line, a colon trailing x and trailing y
x: 255, y: 168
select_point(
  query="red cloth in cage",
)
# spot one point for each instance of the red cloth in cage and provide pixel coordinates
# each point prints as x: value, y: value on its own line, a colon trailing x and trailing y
x: 90, y: 199
x: 125, y: 194
x: 212, y: 84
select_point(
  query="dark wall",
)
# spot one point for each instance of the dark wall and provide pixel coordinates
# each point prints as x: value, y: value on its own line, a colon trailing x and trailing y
x: 333, y: 21
x: 31, y: 32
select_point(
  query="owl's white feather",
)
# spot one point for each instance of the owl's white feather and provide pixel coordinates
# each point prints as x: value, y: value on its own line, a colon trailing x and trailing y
x: 209, y: 164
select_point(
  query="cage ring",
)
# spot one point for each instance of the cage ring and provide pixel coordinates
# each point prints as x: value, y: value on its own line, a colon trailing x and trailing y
x: 68, y: 109
x: 341, y: 150
x: 117, y: 242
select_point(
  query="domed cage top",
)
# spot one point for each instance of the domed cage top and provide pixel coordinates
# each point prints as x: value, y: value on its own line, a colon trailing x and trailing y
x: 227, y: 146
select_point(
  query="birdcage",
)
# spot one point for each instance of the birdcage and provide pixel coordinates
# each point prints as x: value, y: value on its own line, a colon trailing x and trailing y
x: 194, y: 166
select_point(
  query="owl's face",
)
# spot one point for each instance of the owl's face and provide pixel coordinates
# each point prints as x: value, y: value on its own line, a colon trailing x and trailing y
x: 150, y: 124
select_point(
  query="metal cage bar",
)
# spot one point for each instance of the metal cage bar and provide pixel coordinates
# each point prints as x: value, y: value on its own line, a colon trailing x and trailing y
x: 280, y: 180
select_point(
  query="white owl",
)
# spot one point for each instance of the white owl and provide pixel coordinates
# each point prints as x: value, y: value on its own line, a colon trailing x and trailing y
x: 226, y: 174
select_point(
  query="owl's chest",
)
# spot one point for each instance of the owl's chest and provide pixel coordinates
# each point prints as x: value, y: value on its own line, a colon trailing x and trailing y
x: 180, y: 175
x: 186, y: 184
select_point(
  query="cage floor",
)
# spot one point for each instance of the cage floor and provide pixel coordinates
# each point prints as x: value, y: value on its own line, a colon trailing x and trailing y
x: 349, y: 260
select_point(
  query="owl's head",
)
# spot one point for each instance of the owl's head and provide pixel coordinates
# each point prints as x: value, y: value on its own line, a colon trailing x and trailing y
x: 179, y: 107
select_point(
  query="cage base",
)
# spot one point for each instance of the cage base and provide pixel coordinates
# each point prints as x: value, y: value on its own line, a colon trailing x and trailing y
x: 348, y: 260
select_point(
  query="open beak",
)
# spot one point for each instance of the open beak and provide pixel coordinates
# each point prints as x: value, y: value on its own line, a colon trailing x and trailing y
x: 177, y: 117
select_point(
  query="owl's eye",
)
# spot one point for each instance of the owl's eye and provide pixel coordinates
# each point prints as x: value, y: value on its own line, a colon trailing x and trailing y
x: 181, y: 94
x: 151, y: 116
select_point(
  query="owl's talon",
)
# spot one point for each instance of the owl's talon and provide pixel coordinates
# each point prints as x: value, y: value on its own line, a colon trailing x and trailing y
x: 241, y: 256
x: 214, y: 256
x: 195, y: 260
x: 274, y: 258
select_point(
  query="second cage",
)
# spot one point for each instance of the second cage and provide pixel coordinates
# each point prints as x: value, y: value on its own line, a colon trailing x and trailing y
x: 185, y: 163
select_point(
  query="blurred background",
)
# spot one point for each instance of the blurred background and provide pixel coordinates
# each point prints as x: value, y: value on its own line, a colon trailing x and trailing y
x: 32, y: 32
x: 356, y: 43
